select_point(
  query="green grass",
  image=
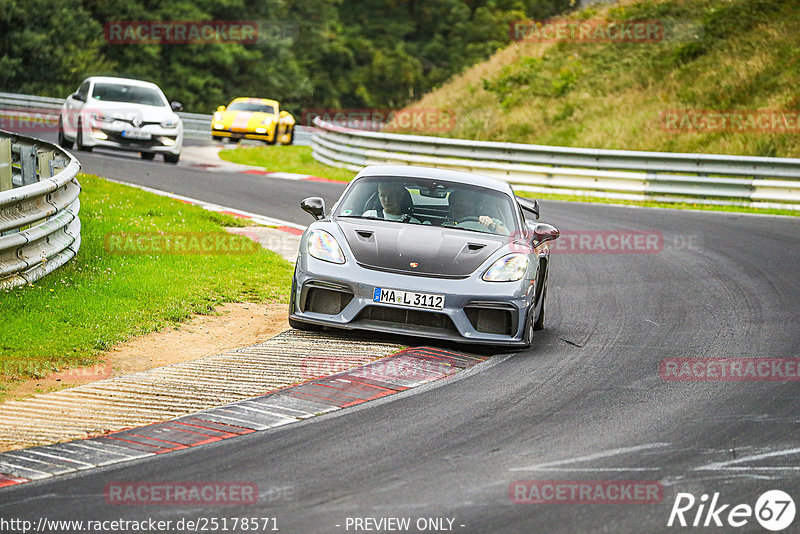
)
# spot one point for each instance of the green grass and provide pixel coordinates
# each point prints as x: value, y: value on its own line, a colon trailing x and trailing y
x: 652, y: 204
x: 716, y: 55
x: 68, y: 318
x: 296, y: 159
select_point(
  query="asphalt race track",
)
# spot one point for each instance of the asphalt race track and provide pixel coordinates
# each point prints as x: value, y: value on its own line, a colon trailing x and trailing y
x: 585, y: 403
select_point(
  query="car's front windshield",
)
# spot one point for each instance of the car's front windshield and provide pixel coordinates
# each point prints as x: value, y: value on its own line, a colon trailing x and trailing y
x: 249, y: 106
x: 129, y: 94
x: 430, y: 202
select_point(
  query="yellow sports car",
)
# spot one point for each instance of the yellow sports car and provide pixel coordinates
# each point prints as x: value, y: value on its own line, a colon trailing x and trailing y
x: 253, y: 118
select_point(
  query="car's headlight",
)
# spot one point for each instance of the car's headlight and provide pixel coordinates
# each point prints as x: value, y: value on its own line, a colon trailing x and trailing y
x: 507, y: 269
x: 102, y: 117
x: 170, y: 123
x: 323, y: 246
x: 217, y: 116
x: 268, y: 121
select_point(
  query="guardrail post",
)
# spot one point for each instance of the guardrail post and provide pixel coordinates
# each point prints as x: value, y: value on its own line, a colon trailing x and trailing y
x: 27, y: 164
x: 57, y: 165
x: 5, y: 164
x: 44, y: 159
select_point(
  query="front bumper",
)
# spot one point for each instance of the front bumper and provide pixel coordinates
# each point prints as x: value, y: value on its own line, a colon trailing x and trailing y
x: 243, y: 135
x: 475, y: 311
x: 162, y: 140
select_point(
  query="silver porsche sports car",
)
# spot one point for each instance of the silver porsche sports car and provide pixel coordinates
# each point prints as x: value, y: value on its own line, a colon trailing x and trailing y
x: 424, y: 252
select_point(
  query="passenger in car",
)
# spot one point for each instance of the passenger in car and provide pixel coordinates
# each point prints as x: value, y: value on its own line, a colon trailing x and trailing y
x: 465, y: 207
x: 395, y: 204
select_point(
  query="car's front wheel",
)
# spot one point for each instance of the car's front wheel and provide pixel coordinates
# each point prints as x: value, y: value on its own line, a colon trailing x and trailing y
x: 79, y: 139
x: 62, y: 140
x: 172, y: 158
x: 539, y: 324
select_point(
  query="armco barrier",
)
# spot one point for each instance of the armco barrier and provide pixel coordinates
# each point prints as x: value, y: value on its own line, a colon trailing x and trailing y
x: 195, y: 125
x: 617, y: 174
x: 39, y: 225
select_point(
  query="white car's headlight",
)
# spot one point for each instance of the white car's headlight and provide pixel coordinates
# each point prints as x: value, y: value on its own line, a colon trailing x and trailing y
x: 507, y: 269
x: 101, y: 117
x: 170, y: 123
x: 323, y: 246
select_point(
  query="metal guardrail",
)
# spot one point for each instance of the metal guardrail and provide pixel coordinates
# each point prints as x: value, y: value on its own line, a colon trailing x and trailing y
x: 615, y: 174
x: 195, y: 125
x: 39, y: 225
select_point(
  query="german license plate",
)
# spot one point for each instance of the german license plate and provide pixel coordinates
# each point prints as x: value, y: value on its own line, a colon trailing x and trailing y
x: 408, y: 299
x: 135, y: 134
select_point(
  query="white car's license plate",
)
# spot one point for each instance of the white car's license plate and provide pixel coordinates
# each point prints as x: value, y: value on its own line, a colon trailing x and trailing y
x: 408, y: 299
x: 135, y: 134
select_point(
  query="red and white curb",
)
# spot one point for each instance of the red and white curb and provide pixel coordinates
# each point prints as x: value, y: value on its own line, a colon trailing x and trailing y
x: 280, y: 224
x: 401, y: 371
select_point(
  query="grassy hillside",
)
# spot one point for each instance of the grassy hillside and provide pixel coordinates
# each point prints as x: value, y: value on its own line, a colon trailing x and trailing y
x: 716, y: 55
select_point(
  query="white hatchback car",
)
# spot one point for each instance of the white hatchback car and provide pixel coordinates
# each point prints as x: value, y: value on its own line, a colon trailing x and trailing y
x: 124, y: 114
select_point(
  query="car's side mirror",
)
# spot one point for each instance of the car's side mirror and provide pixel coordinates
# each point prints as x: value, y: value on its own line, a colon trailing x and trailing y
x: 315, y: 206
x: 531, y: 205
x: 543, y: 232
x: 221, y: 108
x: 77, y: 96
x: 176, y: 106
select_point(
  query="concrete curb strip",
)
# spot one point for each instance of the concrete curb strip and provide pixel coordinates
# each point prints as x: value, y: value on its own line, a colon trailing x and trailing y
x: 400, y: 371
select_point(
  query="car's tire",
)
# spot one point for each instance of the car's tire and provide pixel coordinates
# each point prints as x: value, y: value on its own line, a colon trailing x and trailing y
x: 217, y: 138
x: 148, y: 155
x: 529, y: 328
x: 62, y: 140
x: 79, y: 139
x: 291, y: 136
x: 539, y: 324
x: 172, y: 158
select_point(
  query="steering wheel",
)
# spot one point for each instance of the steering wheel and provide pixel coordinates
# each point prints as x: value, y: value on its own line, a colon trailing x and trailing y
x: 469, y: 219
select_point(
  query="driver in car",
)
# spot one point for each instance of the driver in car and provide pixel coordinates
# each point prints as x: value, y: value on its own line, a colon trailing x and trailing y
x: 395, y: 202
x: 464, y: 207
